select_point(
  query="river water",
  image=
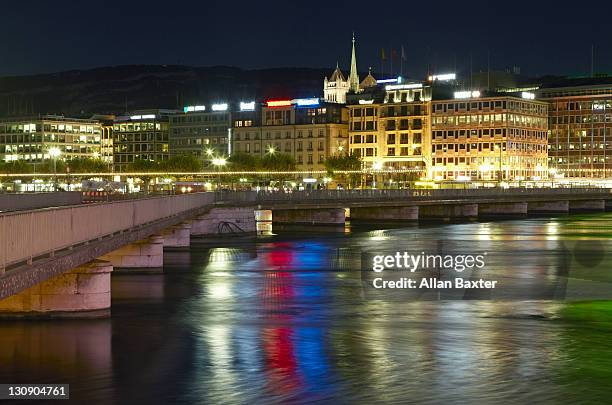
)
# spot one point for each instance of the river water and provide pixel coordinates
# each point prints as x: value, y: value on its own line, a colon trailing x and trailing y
x: 290, y: 318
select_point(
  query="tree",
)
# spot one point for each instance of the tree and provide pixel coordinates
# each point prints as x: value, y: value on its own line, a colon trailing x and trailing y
x: 278, y: 162
x: 87, y: 165
x: 143, y: 165
x: 49, y: 166
x: 244, y: 162
x: 181, y: 163
x: 16, y: 167
x: 344, y: 162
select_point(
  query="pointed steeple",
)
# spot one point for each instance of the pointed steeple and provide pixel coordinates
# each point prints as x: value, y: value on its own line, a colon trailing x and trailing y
x: 354, y: 76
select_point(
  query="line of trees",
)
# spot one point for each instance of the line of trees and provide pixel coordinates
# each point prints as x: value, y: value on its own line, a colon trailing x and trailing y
x: 278, y: 162
x: 182, y: 163
x: 186, y: 163
x: 78, y: 165
x: 244, y: 162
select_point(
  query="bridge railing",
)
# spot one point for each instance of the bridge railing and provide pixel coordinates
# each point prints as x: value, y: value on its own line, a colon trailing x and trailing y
x: 298, y: 197
x: 25, y: 235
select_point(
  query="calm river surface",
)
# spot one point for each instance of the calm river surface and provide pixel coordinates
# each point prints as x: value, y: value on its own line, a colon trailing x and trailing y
x: 289, y: 318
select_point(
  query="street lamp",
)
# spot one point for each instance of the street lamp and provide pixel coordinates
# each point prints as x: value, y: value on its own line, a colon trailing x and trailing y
x: 55, y: 153
x: 271, y: 150
x: 219, y: 163
x: 376, y: 166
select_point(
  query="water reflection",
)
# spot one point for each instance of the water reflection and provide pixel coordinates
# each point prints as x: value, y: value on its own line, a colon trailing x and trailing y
x: 287, y: 319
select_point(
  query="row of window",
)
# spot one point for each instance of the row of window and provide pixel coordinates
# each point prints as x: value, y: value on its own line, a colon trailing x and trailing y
x: 403, y: 138
x: 140, y: 147
x: 585, y: 106
x: 513, y: 105
x: 221, y: 118
x: 141, y: 137
x: 19, y: 149
x: 580, y: 119
x: 61, y: 128
x: 279, y: 135
x: 404, y: 151
x: 515, y: 162
x: 146, y: 156
x: 299, y: 146
x: 140, y: 126
x: 195, y: 131
x: 581, y: 160
x: 577, y: 146
x: 488, y: 147
x: 486, y: 119
x: 514, y: 133
x: 49, y: 138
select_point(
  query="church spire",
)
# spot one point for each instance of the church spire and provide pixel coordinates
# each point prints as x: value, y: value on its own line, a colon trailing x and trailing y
x: 354, y: 76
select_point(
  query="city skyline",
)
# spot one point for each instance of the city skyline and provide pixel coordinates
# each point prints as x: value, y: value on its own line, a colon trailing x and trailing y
x: 451, y: 37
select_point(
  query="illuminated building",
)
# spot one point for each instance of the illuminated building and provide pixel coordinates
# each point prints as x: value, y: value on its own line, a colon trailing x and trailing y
x: 337, y: 87
x: 389, y: 125
x: 30, y: 138
x: 307, y: 129
x: 141, y: 135
x: 580, y: 126
x: 106, y: 138
x: 201, y: 130
x: 489, y: 138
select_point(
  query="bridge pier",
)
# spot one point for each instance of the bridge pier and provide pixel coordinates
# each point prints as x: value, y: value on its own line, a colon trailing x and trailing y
x: 178, y: 236
x: 447, y: 212
x: 84, y: 291
x: 239, y: 220
x: 312, y: 216
x: 505, y: 209
x: 409, y: 213
x: 548, y: 207
x: 587, y: 205
x: 144, y: 254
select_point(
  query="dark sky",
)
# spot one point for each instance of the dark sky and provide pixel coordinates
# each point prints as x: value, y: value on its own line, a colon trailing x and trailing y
x: 539, y: 36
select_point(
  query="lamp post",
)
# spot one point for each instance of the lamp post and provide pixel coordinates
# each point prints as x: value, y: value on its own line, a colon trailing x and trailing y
x: 376, y: 166
x: 271, y: 151
x: 55, y: 153
x: 219, y: 163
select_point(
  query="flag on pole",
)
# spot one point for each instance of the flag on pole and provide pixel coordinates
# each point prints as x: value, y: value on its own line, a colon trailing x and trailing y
x: 393, y: 54
x: 382, y: 54
x: 403, y: 53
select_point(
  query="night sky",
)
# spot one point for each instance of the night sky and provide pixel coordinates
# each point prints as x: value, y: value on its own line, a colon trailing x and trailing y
x: 539, y: 36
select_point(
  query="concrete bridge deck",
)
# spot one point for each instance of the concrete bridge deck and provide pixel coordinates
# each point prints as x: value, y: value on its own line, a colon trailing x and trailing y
x: 404, y: 197
x: 85, y: 242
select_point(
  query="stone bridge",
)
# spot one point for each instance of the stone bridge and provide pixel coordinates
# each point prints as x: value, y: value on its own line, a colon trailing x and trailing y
x: 58, y: 261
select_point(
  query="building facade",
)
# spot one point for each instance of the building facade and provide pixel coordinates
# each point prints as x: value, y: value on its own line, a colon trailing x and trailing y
x: 389, y: 126
x: 106, y: 138
x: 489, y: 138
x: 141, y: 135
x: 306, y: 129
x: 580, y: 128
x: 202, y: 131
x: 30, y: 139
